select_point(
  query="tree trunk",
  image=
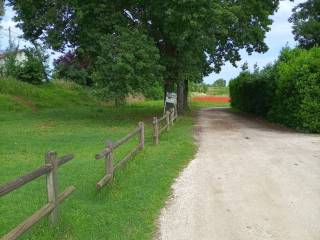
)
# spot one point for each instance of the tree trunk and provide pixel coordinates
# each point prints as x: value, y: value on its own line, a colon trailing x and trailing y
x: 180, y: 96
x: 186, y: 94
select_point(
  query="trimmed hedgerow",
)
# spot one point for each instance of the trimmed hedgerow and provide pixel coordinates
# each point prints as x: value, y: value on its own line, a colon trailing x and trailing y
x: 287, y: 92
x: 251, y: 92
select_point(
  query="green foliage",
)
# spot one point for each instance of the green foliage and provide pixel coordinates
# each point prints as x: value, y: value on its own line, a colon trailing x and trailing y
x: 70, y: 67
x: 194, y: 37
x: 2, y: 11
x: 154, y: 92
x: 245, y: 66
x: 252, y: 92
x: 306, y: 23
x: 31, y: 68
x: 198, y: 87
x: 128, y: 207
x: 220, y: 83
x: 287, y: 92
x: 9, y: 68
x: 129, y: 63
x: 297, y: 97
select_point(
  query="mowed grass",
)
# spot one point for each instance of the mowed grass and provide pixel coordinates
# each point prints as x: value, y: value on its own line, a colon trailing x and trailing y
x: 64, y: 118
x: 200, y: 105
x: 218, y: 91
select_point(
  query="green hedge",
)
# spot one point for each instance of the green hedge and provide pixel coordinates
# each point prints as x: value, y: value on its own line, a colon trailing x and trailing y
x: 287, y: 92
x: 251, y: 92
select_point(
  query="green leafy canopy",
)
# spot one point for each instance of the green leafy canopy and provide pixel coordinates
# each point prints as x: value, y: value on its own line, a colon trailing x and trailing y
x: 192, y: 37
x: 306, y: 23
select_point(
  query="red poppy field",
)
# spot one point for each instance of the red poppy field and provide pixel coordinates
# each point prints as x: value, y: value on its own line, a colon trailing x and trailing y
x: 211, y: 99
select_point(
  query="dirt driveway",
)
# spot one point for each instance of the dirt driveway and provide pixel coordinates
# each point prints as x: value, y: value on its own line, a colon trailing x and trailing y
x: 248, y: 181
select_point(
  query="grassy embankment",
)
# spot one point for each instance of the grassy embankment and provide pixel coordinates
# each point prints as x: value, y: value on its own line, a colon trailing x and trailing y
x: 64, y: 118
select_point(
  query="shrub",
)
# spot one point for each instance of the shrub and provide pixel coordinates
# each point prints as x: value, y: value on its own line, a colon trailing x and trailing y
x: 32, y: 69
x: 71, y: 67
x: 297, y: 96
x: 287, y: 92
x: 128, y: 63
x: 220, y: 83
x: 251, y: 92
x: 154, y: 92
x: 198, y: 87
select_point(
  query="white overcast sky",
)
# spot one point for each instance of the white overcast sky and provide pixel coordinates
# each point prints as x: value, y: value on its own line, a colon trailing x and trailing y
x: 276, y: 39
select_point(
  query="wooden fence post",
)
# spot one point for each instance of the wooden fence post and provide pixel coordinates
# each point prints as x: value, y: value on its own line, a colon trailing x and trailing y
x: 168, y: 120
x: 52, y: 186
x: 141, y: 125
x: 155, y: 130
x: 172, y: 116
x: 109, y: 159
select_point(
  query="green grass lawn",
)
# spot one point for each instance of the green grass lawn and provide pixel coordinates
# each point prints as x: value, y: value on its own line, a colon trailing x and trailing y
x: 200, y: 105
x: 64, y: 118
x: 218, y: 91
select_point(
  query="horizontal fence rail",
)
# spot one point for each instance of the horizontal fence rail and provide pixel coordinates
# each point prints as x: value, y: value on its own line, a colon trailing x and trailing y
x: 168, y: 118
x: 11, y: 186
x: 107, y: 153
x: 52, y: 162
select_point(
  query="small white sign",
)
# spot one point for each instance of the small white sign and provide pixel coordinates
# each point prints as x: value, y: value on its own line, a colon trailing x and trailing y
x: 171, y: 98
x: 171, y: 102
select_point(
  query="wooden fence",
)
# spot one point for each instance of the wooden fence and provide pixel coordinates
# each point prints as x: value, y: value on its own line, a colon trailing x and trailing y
x: 107, y: 153
x: 52, y: 162
x: 159, y: 128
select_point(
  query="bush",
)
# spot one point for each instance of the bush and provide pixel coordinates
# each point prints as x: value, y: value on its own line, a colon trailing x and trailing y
x: 251, y: 92
x: 154, y: 92
x: 297, y: 96
x: 128, y: 63
x: 31, y: 70
x: 198, y: 87
x: 220, y: 83
x: 71, y: 67
x: 287, y: 92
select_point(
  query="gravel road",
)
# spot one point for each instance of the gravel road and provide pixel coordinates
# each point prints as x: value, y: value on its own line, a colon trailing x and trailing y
x: 249, y: 181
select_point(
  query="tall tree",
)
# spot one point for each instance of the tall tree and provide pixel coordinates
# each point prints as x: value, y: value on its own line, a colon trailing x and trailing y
x: 2, y: 7
x: 2, y: 10
x: 306, y: 23
x: 193, y: 37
